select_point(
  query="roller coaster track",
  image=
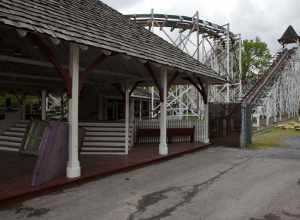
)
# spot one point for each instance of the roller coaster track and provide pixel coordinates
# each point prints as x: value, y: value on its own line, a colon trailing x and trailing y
x: 182, y: 22
x: 256, y: 92
x: 212, y: 44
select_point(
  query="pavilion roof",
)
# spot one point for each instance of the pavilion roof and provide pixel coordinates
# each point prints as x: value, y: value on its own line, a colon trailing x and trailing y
x: 93, y: 23
x: 289, y: 36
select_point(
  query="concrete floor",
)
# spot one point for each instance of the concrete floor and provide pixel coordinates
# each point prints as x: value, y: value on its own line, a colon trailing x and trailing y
x: 215, y: 184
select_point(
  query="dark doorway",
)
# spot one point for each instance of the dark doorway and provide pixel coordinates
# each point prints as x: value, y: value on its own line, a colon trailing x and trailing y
x: 225, y: 124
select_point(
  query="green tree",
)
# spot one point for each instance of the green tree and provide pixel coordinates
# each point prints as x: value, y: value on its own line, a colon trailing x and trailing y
x: 256, y: 59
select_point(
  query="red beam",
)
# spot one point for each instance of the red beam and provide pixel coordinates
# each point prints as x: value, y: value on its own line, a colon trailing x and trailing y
x: 203, y: 91
x: 155, y: 80
x: 50, y: 55
x: 200, y: 89
x: 174, y: 77
x: 90, y: 69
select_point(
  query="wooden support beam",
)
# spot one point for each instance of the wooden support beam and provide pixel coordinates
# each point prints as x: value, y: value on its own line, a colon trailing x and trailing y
x: 55, y: 41
x: 118, y: 86
x: 154, y: 78
x: 204, y: 93
x: 4, y: 58
x: 134, y: 87
x: 90, y: 68
x: 31, y: 76
x: 172, y: 79
x: 50, y: 55
x: 200, y: 88
x: 22, y: 33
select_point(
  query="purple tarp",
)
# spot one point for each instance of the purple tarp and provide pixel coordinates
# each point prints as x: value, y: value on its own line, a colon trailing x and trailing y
x: 53, y: 154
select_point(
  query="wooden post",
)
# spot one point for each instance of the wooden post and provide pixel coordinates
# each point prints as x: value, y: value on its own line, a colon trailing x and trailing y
x: 100, y: 108
x: 73, y: 167
x: 206, y: 121
x: 44, y: 116
x: 140, y: 109
x: 163, y: 147
x: 131, y: 110
x: 62, y: 112
x: 246, y: 125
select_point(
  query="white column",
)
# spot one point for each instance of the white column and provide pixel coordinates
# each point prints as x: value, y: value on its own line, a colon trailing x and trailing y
x: 228, y: 64
x: 240, y: 66
x: 163, y: 147
x: 152, y: 102
x: 127, y: 119
x: 100, y: 108
x: 140, y: 109
x: 268, y: 121
x: 44, y: 93
x: 131, y: 110
x: 73, y: 167
x: 206, y: 123
x: 258, y: 121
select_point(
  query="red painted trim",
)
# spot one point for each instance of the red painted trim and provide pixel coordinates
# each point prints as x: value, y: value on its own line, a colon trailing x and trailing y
x: 89, y: 70
x: 50, y: 55
x: 200, y: 89
x: 174, y: 77
x: 155, y: 80
x: 203, y: 93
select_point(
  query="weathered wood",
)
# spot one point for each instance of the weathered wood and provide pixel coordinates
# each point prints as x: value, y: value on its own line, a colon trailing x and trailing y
x: 90, y: 24
x: 50, y: 55
x: 154, y: 78
x: 171, y: 133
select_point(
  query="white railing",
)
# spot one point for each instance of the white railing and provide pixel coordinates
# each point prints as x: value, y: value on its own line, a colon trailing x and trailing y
x: 199, y: 136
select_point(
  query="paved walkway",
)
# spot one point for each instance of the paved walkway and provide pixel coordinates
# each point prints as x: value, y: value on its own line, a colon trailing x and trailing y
x: 215, y: 184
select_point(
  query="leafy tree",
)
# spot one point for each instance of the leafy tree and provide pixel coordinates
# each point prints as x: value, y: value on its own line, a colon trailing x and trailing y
x: 256, y: 59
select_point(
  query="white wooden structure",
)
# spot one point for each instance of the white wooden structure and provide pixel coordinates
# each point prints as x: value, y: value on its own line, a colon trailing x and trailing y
x: 88, y: 52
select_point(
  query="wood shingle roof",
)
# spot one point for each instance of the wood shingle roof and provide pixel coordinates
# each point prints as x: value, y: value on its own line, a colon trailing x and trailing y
x: 289, y: 36
x: 93, y: 23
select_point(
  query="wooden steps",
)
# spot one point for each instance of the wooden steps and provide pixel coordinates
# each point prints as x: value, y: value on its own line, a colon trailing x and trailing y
x: 12, y: 139
x: 104, y: 138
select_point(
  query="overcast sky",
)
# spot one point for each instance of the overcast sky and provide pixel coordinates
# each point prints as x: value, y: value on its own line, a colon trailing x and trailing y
x: 266, y: 19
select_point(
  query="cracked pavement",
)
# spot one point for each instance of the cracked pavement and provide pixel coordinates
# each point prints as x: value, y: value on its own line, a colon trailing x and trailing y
x: 215, y: 184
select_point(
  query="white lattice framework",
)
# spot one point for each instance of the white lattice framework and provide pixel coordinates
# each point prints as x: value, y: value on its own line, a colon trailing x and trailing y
x: 283, y: 98
x: 212, y: 44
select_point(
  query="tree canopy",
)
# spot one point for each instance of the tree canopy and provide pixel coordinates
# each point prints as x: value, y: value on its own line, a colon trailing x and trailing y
x: 256, y: 58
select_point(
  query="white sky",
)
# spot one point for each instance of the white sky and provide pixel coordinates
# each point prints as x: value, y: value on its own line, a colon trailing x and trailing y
x: 266, y: 19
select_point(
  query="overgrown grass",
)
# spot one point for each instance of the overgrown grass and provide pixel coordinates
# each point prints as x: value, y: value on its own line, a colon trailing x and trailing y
x: 271, y: 137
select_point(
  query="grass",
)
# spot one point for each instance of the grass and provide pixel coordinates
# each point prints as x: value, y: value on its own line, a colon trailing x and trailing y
x: 271, y: 138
